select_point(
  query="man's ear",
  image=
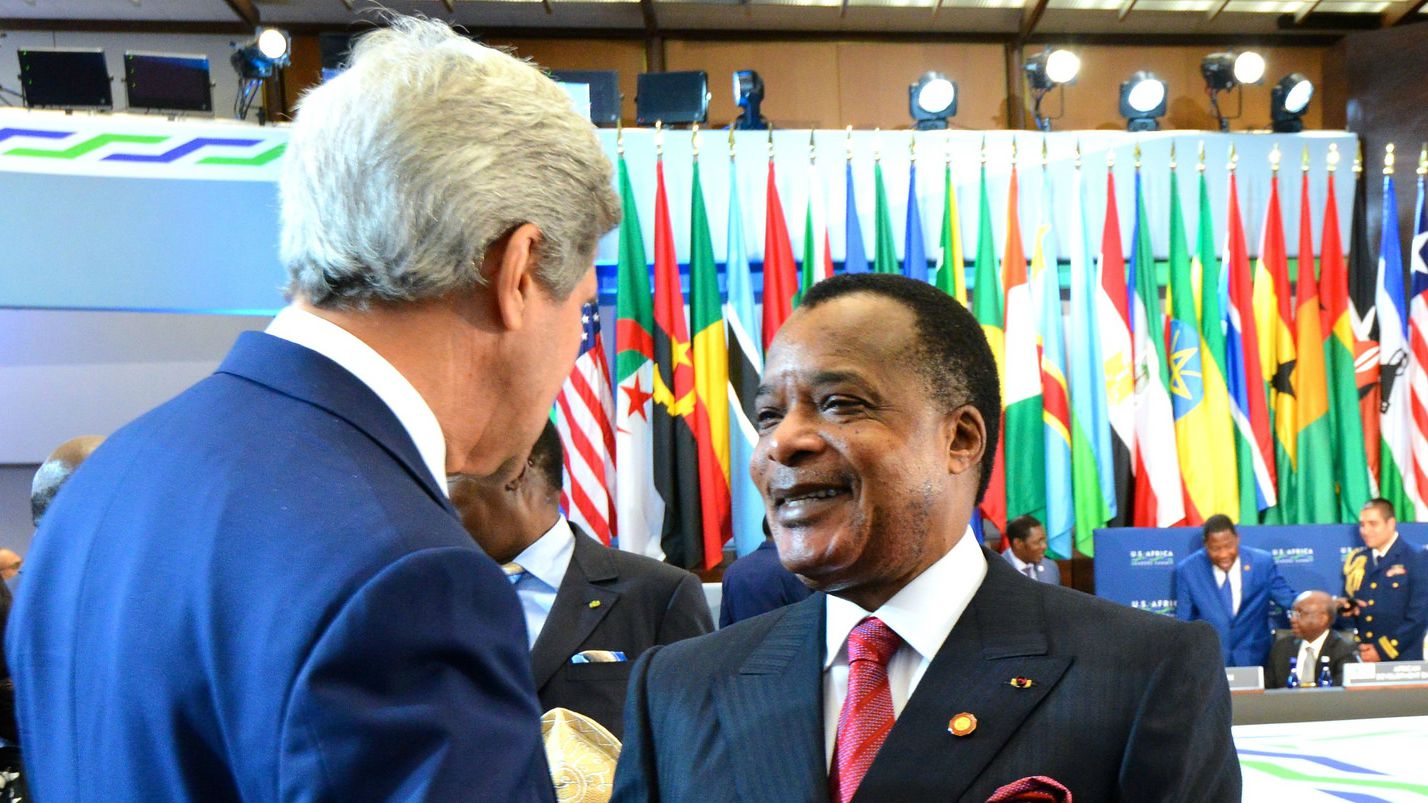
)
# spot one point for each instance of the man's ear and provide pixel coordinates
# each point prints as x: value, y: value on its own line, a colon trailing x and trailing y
x: 509, y: 266
x: 966, y: 437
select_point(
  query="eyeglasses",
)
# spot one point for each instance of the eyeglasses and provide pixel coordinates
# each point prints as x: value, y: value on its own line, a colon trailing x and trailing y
x: 1298, y: 615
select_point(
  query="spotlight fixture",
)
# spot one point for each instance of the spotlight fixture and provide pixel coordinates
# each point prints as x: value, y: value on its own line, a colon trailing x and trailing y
x: 1046, y: 71
x: 256, y: 62
x: 749, y: 94
x: 1143, y: 101
x: 931, y: 100
x: 1226, y: 71
x: 1287, y: 101
x: 672, y: 97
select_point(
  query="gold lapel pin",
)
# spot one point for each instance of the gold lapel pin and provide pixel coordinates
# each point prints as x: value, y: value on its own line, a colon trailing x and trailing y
x: 962, y: 725
x: 594, y: 603
x: 1022, y: 683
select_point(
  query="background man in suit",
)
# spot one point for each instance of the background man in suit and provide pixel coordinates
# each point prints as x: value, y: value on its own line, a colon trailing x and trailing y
x: 757, y: 583
x: 590, y: 610
x: 1230, y: 587
x: 1312, y: 644
x: 1386, y: 583
x: 928, y: 669
x: 1026, y: 550
x: 260, y: 590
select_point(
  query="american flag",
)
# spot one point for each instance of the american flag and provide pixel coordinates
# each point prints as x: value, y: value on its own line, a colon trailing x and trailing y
x: 584, y: 412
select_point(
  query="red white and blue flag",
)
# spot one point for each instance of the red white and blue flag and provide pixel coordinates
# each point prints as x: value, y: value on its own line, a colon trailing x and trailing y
x: 584, y: 416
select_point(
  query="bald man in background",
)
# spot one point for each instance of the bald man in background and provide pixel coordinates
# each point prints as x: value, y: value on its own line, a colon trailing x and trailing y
x: 52, y: 474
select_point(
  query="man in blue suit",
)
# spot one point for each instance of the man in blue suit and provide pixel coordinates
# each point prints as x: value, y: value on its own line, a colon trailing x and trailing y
x: 259, y: 590
x: 1230, y: 587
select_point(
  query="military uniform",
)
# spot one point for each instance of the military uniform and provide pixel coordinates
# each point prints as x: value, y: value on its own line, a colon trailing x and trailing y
x: 1393, y: 599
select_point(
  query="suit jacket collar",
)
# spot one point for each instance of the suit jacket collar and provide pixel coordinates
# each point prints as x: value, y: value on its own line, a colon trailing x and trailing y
x: 307, y: 376
x: 1394, y: 555
x: 572, y: 619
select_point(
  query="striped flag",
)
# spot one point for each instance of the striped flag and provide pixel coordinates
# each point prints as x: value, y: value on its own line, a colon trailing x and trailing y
x: 817, y: 258
x: 780, y: 276
x: 1363, y: 297
x: 639, y: 506
x: 1056, y: 398
x: 1220, y: 439
x: 711, y: 379
x: 1418, y: 335
x: 746, y: 366
x: 1345, y: 423
x: 1159, y: 500
x: 1274, y: 320
x: 884, y: 250
x: 1254, y: 444
x: 987, y: 309
x: 1113, y: 328
x: 855, y: 256
x: 914, y: 252
x: 951, y: 275
x: 1314, y: 468
x: 1025, y: 453
x: 1396, y: 470
x: 584, y: 413
x: 1092, y: 463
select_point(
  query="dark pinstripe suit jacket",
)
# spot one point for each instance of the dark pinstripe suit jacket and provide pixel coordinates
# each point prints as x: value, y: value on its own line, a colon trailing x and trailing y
x: 1124, y: 705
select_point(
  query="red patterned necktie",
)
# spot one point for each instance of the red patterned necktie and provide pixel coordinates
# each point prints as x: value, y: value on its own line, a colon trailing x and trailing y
x: 867, y: 713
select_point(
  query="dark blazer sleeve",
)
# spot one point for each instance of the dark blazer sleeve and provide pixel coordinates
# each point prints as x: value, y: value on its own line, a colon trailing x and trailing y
x: 1276, y: 666
x: 1415, y: 617
x: 418, y: 688
x: 687, y: 614
x: 636, y: 777
x: 1180, y: 753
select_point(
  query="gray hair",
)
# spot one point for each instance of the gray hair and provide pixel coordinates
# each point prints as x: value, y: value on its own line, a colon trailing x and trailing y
x: 48, y: 479
x: 402, y: 171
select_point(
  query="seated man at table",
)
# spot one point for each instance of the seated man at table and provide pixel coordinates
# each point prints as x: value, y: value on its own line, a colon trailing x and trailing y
x: 1230, y: 587
x: 1312, y: 645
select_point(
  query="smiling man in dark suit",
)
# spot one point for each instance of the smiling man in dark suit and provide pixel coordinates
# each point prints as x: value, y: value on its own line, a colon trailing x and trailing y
x: 590, y: 610
x: 928, y: 669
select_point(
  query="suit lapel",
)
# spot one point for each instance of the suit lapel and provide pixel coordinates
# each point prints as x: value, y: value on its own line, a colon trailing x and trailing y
x: 1001, y: 636
x: 572, y: 619
x: 773, y: 709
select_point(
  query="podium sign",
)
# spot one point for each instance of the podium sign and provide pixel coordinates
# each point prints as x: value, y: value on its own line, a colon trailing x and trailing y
x: 1245, y: 678
x: 1387, y: 673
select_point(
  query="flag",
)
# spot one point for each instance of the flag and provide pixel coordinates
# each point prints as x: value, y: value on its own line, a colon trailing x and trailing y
x: 1113, y: 329
x: 855, y: 257
x: 1345, y: 424
x: 951, y: 270
x: 780, y: 277
x: 1395, y: 452
x: 1056, y: 399
x: 914, y: 254
x: 746, y: 366
x: 1254, y: 444
x: 1274, y: 319
x: 1092, y: 469
x: 711, y: 380
x: 1363, y: 296
x: 1314, y: 467
x: 1158, y: 496
x: 1025, y: 453
x: 584, y: 413
x: 1202, y: 431
x: 1418, y: 340
x: 987, y: 309
x: 638, y: 504
x: 676, y: 452
x: 817, y: 258
x: 1220, y: 436
x: 885, y: 253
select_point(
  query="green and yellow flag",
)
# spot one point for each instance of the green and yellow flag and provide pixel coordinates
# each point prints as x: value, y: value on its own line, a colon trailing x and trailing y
x: 1314, y: 475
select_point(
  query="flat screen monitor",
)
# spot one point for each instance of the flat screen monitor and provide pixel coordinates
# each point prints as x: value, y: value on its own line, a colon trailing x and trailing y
x: 168, y: 81
x: 65, y: 79
x: 604, y: 92
x: 673, y: 97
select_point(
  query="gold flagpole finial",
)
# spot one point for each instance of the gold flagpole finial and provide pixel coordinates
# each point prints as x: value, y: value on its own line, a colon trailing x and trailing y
x: 659, y: 139
x: 1304, y: 163
x: 984, y: 151
x: 1274, y: 157
x: 1388, y: 159
x: 1333, y: 158
x: 731, y: 141
x: 947, y: 149
x: 812, y: 152
x: 1045, y: 153
x: 1200, y: 166
x: 1013, y: 150
x: 912, y: 147
x: 770, y: 143
x: 877, y: 145
x: 1110, y: 158
x: 1137, y: 155
x: 1423, y: 160
x: 1234, y: 158
x: 1078, y: 153
x: 1172, y: 156
x: 1359, y: 158
x: 619, y: 138
x: 848, y: 143
x: 694, y: 142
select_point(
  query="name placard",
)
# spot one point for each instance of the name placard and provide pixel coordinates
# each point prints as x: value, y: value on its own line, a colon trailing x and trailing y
x: 1245, y: 678
x: 1387, y: 673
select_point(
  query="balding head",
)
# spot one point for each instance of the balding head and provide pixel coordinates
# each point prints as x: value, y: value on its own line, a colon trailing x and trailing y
x: 9, y: 564
x: 1312, y: 615
x: 56, y: 469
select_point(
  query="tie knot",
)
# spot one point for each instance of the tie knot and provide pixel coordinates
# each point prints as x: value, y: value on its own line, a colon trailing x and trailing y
x: 871, y: 640
x: 514, y: 571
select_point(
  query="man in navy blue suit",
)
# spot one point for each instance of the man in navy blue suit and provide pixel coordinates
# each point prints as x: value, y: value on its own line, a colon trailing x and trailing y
x: 1230, y: 587
x: 259, y: 590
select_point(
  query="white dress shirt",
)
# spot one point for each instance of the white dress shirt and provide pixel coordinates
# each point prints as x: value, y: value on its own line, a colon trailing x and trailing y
x: 1234, y: 573
x: 1308, y: 670
x: 545, y: 563
x: 299, y: 326
x: 1378, y: 554
x: 922, y: 613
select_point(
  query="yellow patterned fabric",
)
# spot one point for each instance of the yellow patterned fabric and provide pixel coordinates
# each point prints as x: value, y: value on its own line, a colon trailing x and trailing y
x: 582, y: 756
x: 1354, y: 571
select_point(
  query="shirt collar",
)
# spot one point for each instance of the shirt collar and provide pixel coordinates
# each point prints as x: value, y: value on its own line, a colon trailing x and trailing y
x: 549, y: 557
x: 297, y: 325
x: 924, y: 611
x: 1233, y: 572
x: 1317, y: 644
x: 1017, y: 563
x: 1379, y: 554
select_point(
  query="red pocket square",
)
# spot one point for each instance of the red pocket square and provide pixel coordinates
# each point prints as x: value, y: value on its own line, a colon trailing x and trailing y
x: 1033, y: 789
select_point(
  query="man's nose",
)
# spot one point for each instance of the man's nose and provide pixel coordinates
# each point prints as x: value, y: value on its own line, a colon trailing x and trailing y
x: 794, y: 438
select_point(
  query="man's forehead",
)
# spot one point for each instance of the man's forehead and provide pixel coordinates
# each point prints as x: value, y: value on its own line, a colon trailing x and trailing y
x: 853, y: 329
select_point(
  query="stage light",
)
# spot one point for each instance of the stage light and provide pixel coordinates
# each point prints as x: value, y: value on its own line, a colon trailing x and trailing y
x: 749, y: 94
x: 1143, y: 101
x: 1226, y: 71
x: 1045, y: 71
x: 1287, y: 101
x: 255, y: 62
x: 931, y: 100
x: 1249, y: 67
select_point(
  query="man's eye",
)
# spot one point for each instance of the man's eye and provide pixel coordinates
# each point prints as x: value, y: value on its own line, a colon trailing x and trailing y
x: 766, y: 419
x: 841, y: 404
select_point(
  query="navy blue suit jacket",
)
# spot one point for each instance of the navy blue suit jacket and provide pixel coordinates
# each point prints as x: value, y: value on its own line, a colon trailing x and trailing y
x: 257, y: 592
x: 1246, y: 636
x: 1393, y: 599
x: 757, y: 583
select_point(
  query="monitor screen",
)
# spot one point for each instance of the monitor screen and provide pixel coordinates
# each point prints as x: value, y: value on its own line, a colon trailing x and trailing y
x: 604, y: 92
x: 169, y: 81
x: 674, y: 97
x: 65, y: 79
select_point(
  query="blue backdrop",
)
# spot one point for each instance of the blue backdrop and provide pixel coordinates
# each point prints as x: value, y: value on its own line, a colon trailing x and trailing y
x: 1135, y: 566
